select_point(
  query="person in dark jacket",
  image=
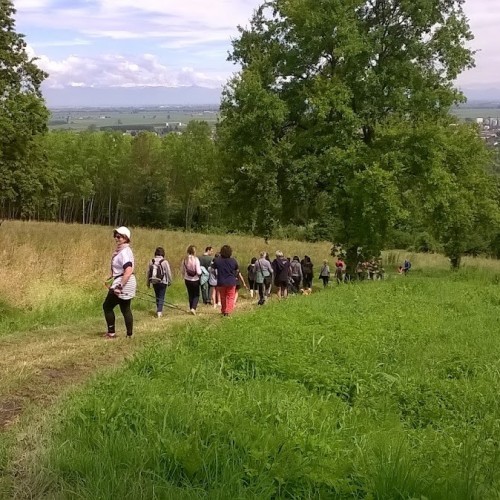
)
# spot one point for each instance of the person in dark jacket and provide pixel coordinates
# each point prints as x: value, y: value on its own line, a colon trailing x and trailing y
x: 227, y: 271
x: 251, y: 272
x: 307, y: 271
x: 281, y: 268
x: 205, y: 262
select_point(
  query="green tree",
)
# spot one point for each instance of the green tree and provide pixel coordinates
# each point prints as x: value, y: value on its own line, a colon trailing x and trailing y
x: 323, y: 87
x: 452, y: 194
x: 23, y: 117
x: 192, y: 170
x: 145, y: 200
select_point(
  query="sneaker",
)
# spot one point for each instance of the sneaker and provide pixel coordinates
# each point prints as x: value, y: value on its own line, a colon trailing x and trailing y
x: 110, y: 336
x: 129, y: 337
x: 193, y: 312
x: 159, y: 314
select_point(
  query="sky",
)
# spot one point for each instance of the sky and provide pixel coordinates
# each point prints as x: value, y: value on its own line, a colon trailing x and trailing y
x: 175, y: 43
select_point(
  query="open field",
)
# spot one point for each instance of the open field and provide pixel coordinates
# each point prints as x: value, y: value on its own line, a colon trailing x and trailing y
x: 372, y: 390
x: 83, y: 119
x: 474, y: 113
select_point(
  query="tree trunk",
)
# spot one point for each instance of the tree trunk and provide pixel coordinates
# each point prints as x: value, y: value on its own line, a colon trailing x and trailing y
x: 109, y: 210
x: 455, y: 261
x: 351, y: 261
x: 90, y: 214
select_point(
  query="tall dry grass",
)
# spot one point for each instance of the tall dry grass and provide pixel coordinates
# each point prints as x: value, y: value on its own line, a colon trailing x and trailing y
x: 47, y: 263
x: 438, y: 262
x: 44, y: 264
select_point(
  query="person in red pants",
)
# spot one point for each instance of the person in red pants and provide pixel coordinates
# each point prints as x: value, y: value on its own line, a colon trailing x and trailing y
x: 227, y: 271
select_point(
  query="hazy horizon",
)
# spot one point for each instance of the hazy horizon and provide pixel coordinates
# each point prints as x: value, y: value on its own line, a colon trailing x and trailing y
x: 88, y: 97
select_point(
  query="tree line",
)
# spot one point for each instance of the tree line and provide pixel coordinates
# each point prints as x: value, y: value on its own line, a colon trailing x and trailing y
x: 111, y: 178
x: 337, y: 127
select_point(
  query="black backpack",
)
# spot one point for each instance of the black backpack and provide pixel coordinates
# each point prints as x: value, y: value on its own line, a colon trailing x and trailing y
x: 156, y: 272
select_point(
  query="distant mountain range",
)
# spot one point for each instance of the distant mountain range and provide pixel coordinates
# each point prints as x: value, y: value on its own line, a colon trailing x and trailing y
x: 481, y: 94
x: 130, y: 96
x: 177, y: 96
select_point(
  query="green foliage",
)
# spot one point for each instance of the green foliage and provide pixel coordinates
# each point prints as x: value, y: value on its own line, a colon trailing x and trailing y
x: 351, y: 100
x: 23, y: 117
x: 110, y: 178
x: 391, y: 395
x: 193, y: 171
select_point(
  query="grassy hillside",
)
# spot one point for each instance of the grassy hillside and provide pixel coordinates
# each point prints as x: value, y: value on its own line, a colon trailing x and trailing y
x: 373, y: 390
x: 53, y: 273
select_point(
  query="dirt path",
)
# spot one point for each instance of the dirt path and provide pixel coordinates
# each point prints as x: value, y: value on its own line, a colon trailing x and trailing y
x: 37, y: 367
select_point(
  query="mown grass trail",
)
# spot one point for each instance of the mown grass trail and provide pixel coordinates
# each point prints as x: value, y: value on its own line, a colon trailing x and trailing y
x: 39, y: 365
x: 377, y: 390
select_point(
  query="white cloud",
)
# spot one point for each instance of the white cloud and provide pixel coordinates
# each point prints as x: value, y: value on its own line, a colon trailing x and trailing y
x: 122, y: 19
x: 200, y: 30
x: 111, y: 70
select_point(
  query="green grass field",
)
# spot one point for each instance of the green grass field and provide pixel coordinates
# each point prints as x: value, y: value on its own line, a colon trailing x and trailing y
x: 385, y: 389
x: 374, y: 390
x: 83, y: 119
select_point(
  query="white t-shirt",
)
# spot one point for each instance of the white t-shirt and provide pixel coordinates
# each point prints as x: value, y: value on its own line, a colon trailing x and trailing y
x: 117, y: 263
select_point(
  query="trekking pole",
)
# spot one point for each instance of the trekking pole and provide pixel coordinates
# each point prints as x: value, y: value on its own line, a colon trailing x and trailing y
x: 174, y: 306
x: 150, y: 298
x: 146, y: 295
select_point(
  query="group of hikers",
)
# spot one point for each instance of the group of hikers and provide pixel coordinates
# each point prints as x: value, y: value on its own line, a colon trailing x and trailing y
x: 217, y: 278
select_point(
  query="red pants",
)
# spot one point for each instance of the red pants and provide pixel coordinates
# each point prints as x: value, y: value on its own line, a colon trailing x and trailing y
x: 227, y: 294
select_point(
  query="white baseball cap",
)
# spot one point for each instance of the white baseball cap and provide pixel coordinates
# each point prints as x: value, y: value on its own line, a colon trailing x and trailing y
x: 124, y: 231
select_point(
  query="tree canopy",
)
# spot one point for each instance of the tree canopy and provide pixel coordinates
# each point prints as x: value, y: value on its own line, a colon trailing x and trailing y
x: 23, y: 117
x: 339, y: 117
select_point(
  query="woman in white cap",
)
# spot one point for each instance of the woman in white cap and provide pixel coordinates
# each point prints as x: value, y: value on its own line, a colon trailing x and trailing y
x: 123, y: 283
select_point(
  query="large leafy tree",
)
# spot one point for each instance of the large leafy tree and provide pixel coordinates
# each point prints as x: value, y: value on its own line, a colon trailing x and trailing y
x: 323, y: 86
x: 23, y: 117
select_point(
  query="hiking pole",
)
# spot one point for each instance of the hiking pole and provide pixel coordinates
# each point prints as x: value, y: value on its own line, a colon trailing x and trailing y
x: 145, y: 295
x: 150, y: 298
x: 173, y: 306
